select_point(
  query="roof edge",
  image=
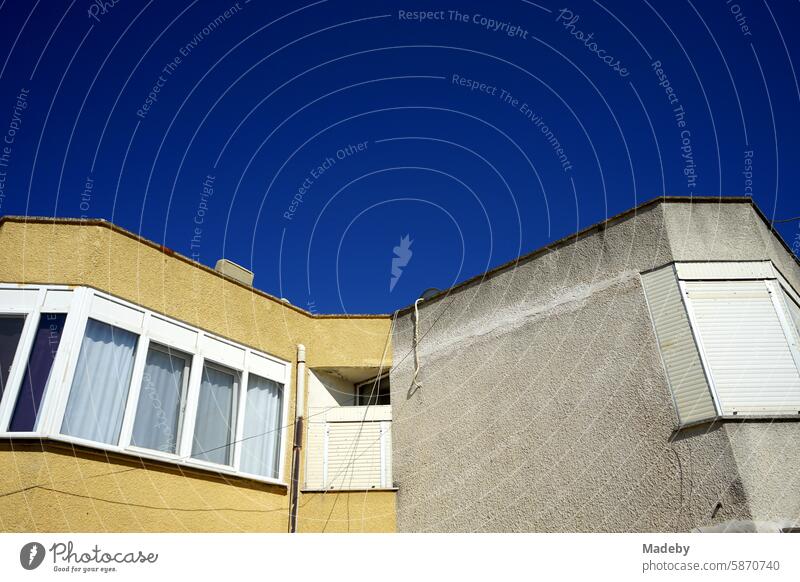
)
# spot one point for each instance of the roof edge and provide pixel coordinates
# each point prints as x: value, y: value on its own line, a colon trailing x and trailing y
x: 100, y: 222
x: 597, y: 227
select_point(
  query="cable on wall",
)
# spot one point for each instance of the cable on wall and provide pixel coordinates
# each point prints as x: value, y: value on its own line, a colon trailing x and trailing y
x: 415, y: 383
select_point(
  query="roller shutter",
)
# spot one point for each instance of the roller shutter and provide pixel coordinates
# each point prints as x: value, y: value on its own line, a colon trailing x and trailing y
x: 354, y: 455
x: 745, y: 342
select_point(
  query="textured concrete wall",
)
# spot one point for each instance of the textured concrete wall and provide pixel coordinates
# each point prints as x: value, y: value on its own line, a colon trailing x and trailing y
x: 544, y: 404
x: 767, y: 454
x: 62, y: 490
x: 725, y: 232
x: 767, y: 458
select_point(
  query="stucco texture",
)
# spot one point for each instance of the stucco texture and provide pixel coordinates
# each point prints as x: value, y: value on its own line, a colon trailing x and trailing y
x: 347, y: 512
x: 544, y: 404
x: 62, y: 489
x: 59, y: 489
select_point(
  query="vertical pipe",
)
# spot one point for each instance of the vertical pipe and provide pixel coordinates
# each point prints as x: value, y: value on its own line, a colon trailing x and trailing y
x: 299, y: 412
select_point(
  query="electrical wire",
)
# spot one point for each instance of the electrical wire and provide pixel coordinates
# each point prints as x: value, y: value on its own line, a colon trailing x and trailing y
x: 415, y: 382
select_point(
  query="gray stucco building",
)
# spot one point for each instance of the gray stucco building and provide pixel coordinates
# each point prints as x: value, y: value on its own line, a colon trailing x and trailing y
x: 641, y: 375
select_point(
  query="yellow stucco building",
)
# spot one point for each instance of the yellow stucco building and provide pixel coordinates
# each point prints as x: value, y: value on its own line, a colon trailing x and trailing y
x: 212, y: 363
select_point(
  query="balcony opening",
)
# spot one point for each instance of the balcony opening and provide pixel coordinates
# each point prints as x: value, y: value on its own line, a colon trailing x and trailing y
x: 348, y: 429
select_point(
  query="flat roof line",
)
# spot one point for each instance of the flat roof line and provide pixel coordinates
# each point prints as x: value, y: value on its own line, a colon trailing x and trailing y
x: 171, y: 253
x: 598, y: 227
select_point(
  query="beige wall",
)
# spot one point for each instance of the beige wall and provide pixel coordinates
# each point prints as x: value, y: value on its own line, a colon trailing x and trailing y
x: 61, y: 490
x: 351, y: 511
x: 58, y: 489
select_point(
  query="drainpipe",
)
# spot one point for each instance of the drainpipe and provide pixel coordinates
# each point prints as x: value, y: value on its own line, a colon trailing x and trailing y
x: 299, y: 408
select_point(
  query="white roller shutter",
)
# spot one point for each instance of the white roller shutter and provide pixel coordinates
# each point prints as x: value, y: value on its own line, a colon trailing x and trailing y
x: 353, y: 455
x: 745, y: 346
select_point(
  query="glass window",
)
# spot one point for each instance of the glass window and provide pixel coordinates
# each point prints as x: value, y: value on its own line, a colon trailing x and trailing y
x: 375, y: 392
x: 261, y: 442
x: 10, y: 333
x: 100, y: 388
x: 161, y: 400
x: 213, y: 430
x: 31, y: 393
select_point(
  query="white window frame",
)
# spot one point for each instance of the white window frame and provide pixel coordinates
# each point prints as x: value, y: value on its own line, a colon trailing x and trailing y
x: 33, y: 314
x: 17, y: 353
x: 776, y: 285
x: 208, y: 349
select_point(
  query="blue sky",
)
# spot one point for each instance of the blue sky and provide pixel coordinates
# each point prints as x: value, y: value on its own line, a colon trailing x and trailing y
x: 305, y: 140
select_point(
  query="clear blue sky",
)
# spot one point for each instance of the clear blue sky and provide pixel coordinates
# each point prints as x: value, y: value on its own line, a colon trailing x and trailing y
x: 304, y: 141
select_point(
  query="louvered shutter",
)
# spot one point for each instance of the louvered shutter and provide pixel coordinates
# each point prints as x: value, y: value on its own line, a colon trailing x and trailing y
x: 745, y: 347
x: 685, y: 375
x: 794, y: 311
x: 354, y: 455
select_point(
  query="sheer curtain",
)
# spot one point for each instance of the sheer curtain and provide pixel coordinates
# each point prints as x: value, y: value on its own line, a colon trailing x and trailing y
x: 102, y: 378
x: 213, y: 429
x: 262, y: 427
x: 158, y: 410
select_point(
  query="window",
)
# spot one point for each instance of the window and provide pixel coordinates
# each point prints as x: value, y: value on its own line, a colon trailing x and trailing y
x: 37, y: 373
x: 748, y: 342
x: 213, y: 430
x: 162, y: 399
x: 104, y: 373
x: 374, y: 392
x: 261, y: 442
x: 100, y: 387
x: 10, y: 333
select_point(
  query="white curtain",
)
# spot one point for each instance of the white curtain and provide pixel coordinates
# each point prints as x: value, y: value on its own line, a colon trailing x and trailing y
x: 157, y: 414
x: 100, y: 389
x: 213, y: 432
x: 262, y: 427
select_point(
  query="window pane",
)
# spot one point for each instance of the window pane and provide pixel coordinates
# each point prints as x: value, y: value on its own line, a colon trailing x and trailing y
x: 43, y: 352
x: 213, y: 430
x: 160, y: 398
x: 374, y: 395
x: 10, y: 332
x: 262, y: 427
x: 100, y: 389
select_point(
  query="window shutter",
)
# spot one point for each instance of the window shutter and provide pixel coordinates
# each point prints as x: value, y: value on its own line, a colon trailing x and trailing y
x: 354, y: 455
x: 682, y: 363
x: 745, y: 347
x: 794, y: 311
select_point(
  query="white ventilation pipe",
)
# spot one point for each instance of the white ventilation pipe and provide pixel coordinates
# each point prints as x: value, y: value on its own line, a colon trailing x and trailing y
x: 300, y: 396
x: 299, y: 412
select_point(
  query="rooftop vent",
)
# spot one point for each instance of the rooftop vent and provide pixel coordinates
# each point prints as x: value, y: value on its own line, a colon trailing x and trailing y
x: 234, y: 271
